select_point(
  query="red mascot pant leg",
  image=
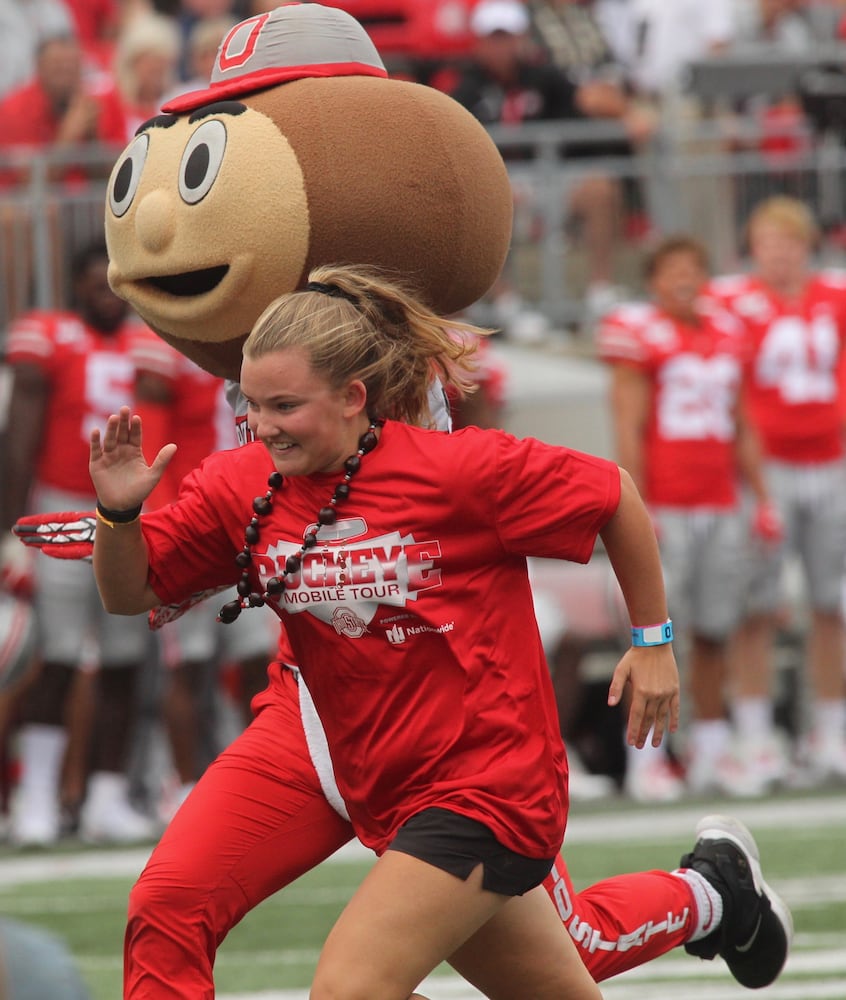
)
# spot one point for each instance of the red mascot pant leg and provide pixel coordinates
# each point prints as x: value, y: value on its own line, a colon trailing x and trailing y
x: 624, y: 921
x: 256, y: 821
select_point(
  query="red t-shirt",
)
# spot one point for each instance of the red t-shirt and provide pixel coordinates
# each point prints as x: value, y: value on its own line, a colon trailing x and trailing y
x: 795, y: 354
x: 90, y: 375
x: 695, y: 374
x: 425, y: 663
x: 27, y: 121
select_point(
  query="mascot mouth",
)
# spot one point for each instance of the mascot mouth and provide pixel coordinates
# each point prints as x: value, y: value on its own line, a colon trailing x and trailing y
x: 189, y: 283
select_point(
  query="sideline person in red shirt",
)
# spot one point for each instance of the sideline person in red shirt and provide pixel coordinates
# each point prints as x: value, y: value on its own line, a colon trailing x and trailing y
x: 676, y: 375
x: 410, y: 579
x: 70, y: 368
x: 795, y: 323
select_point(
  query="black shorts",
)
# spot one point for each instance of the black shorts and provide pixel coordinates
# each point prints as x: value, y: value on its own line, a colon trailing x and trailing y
x: 457, y: 844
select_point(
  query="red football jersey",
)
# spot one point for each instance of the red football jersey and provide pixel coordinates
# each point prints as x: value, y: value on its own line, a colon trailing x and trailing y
x: 412, y: 619
x: 696, y: 374
x: 90, y: 376
x: 199, y: 420
x: 795, y: 354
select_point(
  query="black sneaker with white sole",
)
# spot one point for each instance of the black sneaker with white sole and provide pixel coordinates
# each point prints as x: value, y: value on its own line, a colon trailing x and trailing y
x: 756, y: 930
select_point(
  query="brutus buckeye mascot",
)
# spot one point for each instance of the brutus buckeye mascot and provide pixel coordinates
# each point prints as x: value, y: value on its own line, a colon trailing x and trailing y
x: 303, y: 152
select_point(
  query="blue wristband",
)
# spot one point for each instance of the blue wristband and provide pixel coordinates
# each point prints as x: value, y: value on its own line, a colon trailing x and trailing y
x: 653, y: 635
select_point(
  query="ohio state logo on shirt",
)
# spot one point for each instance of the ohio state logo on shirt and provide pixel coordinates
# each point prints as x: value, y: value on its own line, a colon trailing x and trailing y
x: 359, y: 574
x: 348, y: 624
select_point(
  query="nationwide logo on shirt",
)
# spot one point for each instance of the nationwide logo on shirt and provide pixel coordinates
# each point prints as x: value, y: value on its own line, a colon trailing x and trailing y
x: 397, y: 634
x: 361, y: 574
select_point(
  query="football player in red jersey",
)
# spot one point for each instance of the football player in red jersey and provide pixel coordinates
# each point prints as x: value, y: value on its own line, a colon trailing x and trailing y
x: 795, y: 322
x: 181, y: 402
x: 69, y: 370
x: 676, y: 373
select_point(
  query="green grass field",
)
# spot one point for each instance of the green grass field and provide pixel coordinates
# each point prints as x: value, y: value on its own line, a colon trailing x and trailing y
x: 80, y: 895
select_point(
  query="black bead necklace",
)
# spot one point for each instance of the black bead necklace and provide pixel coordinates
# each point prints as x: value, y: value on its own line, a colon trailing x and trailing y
x: 247, y: 596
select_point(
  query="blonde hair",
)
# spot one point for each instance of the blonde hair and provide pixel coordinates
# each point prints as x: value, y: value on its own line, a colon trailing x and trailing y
x: 208, y: 34
x: 146, y: 32
x: 790, y: 215
x: 360, y: 324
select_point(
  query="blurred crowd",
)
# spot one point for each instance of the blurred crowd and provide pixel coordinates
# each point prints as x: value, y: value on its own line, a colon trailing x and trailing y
x: 79, y: 71
x: 726, y: 396
x: 78, y: 75
x: 642, y: 44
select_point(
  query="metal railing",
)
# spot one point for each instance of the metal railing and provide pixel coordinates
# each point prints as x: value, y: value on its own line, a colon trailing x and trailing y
x: 51, y: 204
x: 699, y: 177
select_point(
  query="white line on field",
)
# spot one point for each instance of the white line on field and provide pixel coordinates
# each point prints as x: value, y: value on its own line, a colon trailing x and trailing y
x: 631, y: 826
x: 809, y: 891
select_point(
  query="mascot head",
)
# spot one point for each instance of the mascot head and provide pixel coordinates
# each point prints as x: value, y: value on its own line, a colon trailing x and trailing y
x: 300, y: 152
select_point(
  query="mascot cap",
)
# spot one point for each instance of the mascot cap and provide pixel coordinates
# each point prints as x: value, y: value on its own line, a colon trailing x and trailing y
x: 291, y: 42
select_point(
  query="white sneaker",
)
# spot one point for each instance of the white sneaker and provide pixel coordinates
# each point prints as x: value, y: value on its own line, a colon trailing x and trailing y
x: 528, y: 327
x: 173, y: 795
x: 655, y: 780
x: 108, y: 817
x: 600, y: 298
x: 520, y: 322
x: 725, y: 775
x: 35, y: 819
x: 767, y: 760
x: 824, y: 760
x: 36, y: 816
x: 584, y: 786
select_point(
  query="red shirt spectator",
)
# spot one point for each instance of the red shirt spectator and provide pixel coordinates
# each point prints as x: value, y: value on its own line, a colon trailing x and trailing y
x: 61, y: 107
x: 146, y: 66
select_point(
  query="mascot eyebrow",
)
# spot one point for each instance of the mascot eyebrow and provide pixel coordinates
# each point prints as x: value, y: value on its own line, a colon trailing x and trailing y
x: 159, y: 121
x: 218, y: 108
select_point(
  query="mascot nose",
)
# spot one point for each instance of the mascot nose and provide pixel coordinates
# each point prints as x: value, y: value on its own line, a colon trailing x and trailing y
x: 155, y: 221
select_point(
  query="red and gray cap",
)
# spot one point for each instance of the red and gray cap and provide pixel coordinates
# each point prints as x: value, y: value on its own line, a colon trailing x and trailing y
x: 291, y: 42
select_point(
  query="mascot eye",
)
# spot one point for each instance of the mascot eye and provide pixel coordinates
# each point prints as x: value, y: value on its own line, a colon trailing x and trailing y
x: 128, y: 175
x: 201, y: 161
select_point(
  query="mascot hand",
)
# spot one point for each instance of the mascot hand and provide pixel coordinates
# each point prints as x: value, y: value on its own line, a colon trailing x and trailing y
x: 68, y: 535
x: 15, y: 568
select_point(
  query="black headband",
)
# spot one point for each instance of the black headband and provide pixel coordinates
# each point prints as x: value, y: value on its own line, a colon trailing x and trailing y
x: 332, y: 290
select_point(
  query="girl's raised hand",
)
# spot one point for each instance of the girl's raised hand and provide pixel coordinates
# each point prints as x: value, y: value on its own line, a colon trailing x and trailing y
x: 120, y: 474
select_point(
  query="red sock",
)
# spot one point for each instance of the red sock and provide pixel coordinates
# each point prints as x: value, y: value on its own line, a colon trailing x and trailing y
x: 624, y: 921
